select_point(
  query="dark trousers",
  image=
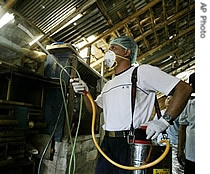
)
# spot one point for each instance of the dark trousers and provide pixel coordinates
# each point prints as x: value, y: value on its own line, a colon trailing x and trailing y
x: 189, y: 167
x: 116, y: 149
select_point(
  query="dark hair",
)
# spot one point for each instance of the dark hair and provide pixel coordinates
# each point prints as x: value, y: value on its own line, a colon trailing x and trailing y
x: 192, y: 81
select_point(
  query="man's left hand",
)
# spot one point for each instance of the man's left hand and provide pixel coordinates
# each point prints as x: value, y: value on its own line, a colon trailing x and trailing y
x: 155, y: 127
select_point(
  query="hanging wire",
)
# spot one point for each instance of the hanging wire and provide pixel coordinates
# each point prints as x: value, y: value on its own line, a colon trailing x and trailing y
x: 68, y: 125
x: 65, y: 104
x: 53, y: 132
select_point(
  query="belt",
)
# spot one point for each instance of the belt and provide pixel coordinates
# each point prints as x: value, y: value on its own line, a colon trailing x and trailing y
x: 139, y: 134
x: 117, y: 133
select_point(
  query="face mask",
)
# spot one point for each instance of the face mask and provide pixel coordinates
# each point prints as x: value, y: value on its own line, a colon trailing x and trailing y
x: 110, y: 58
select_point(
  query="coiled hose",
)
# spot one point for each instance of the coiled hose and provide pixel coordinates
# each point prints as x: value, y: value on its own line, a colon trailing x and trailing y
x: 144, y: 166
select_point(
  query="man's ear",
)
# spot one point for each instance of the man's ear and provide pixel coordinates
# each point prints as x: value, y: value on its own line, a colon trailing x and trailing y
x: 127, y: 53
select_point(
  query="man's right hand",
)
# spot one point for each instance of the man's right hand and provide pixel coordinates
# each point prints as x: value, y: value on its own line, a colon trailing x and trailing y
x: 181, y: 158
x: 79, y: 86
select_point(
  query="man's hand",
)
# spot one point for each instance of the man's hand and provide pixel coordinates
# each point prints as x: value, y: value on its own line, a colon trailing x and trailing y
x: 155, y: 127
x: 181, y: 158
x: 79, y: 85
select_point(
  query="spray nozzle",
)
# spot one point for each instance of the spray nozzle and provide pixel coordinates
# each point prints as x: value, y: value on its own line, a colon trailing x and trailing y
x: 79, y: 86
x: 74, y: 80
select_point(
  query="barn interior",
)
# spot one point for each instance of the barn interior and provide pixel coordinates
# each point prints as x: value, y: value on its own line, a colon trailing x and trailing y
x: 45, y: 43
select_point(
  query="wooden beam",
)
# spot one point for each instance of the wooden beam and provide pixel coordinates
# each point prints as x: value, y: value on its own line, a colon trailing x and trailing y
x: 144, y: 34
x: 165, y: 43
x: 166, y: 22
x: 158, y: 59
x: 119, y: 25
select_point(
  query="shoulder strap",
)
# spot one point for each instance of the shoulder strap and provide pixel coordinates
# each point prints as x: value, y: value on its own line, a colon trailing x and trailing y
x: 133, y: 99
x: 133, y: 96
x: 133, y: 92
x: 157, y: 108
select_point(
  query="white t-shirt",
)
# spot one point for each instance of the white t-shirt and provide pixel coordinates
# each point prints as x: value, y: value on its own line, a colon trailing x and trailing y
x: 115, y: 97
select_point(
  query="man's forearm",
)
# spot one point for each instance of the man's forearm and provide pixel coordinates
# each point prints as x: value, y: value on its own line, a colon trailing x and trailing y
x: 180, y: 98
x: 181, y: 138
x: 89, y: 106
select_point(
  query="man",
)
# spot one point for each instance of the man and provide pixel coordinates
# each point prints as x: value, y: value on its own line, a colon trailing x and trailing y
x: 172, y: 136
x: 186, y: 137
x: 115, y: 102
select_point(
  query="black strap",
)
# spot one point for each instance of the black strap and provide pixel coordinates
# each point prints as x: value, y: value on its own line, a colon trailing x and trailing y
x: 133, y: 93
x: 133, y: 98
x: 157, y: 108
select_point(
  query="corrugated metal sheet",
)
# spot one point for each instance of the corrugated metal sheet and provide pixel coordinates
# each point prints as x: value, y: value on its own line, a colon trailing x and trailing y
x: 46, y: 15
x: 160, y: 27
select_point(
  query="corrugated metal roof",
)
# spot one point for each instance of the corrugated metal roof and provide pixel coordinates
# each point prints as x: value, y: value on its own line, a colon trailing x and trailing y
x: 46, y: 15
x: 161, y: 28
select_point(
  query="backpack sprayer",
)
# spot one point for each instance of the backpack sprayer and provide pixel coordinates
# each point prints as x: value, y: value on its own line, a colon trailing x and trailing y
x: 140, y: 167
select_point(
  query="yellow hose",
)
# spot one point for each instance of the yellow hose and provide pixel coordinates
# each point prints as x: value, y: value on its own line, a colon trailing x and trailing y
x: 144, y: 166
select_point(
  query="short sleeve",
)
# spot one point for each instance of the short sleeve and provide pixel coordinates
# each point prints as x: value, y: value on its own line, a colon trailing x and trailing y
x: 99, y: 101
x: 183, y: 118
